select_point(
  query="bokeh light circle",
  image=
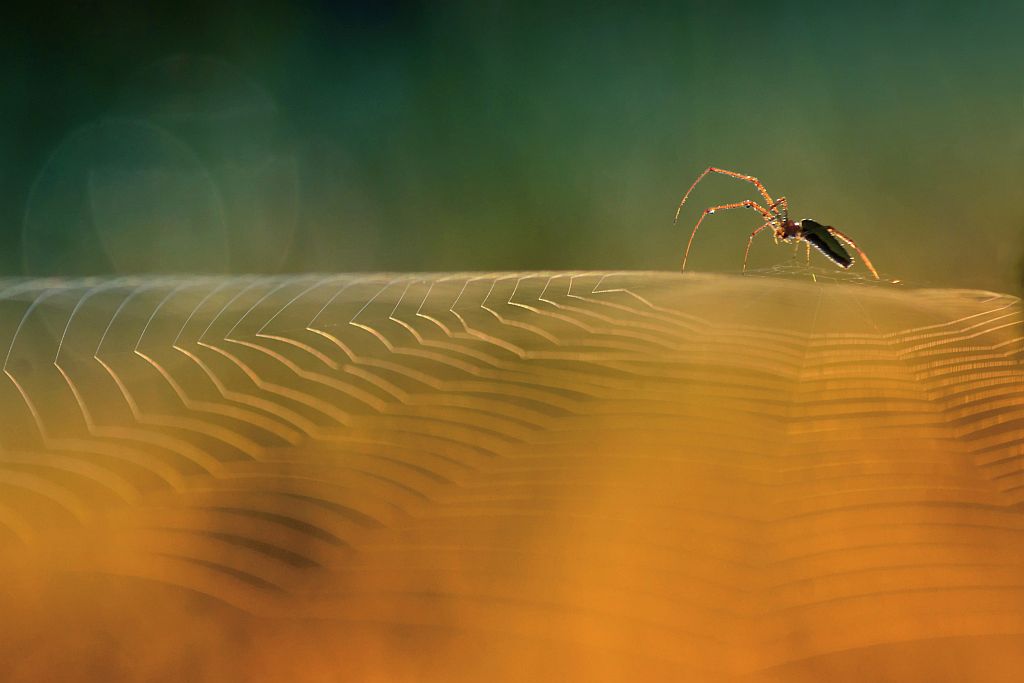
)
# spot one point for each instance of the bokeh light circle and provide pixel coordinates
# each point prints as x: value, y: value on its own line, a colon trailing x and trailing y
x: 235, y: 127
x: 123, y: 196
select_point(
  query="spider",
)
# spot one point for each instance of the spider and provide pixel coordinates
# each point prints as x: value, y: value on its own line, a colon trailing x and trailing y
x: 824, y: 238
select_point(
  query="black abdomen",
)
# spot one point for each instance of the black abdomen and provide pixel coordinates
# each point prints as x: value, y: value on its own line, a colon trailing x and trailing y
x: 824, y: 241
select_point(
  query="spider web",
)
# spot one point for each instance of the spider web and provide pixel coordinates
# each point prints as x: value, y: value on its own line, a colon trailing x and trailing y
x: 454, y: 469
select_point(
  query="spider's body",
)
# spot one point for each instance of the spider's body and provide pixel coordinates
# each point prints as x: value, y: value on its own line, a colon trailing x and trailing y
x: 825, y: 238
x: 821, y: 237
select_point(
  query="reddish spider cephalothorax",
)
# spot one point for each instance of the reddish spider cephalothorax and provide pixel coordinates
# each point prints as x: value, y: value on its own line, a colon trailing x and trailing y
x: 824, y: 238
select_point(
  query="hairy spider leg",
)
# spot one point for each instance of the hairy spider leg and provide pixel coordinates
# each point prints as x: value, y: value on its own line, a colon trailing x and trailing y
x: 784, y: 216
x: 712, y: 169
x: 780, y: 202
x: 750, y: 241
x: 746, y: 204
x: 867, y: 261
x: 796, y: 248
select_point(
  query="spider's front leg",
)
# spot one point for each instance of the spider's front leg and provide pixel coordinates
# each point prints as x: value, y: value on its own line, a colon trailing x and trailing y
x: 732, y: 174
x: 750, y: 241
x: 774, y: 208
x: 745, y: 204
x: 780, y: 203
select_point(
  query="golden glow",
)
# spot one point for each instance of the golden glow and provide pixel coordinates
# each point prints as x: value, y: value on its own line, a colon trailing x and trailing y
x: 538, y: 476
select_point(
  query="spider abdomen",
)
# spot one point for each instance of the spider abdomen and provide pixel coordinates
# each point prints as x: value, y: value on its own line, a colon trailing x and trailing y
x: 822, y: 239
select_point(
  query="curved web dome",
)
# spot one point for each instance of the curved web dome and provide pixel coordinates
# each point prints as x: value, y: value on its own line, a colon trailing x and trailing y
x: 512, y: 476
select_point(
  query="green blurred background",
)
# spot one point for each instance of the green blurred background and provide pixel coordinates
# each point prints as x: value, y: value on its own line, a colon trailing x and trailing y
x: 279, y: 137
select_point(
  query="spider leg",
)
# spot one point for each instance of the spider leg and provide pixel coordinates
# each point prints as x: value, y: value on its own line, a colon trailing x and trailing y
x: 746, y: 204
x: 783, y: 204
x: 750, y: 241
x: 867, y: 261
x: 808, y: 245
x: 712, y: 169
